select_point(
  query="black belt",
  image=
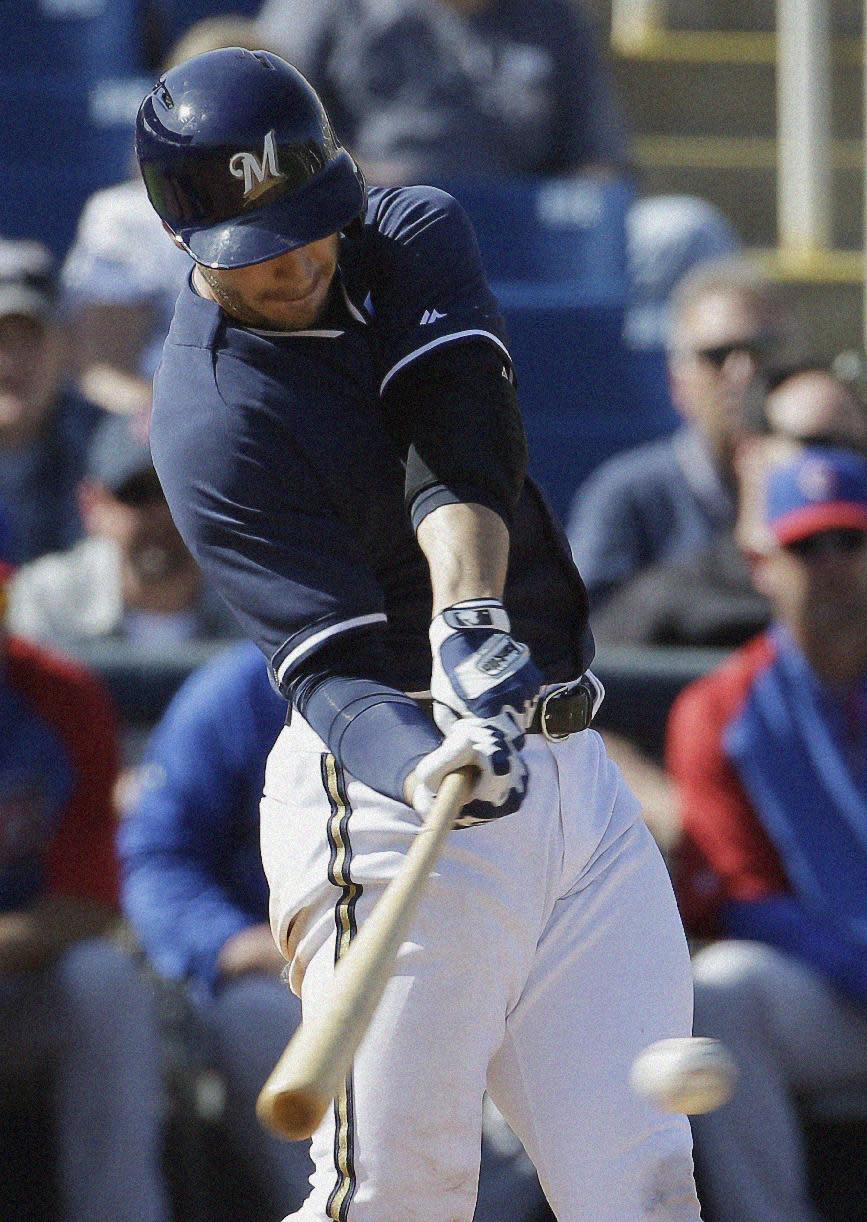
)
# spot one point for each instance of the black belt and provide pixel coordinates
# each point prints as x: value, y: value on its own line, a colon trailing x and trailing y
x: 562, y: 709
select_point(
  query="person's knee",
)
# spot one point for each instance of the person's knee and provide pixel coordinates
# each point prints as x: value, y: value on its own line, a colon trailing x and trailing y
x: 730, y: 979
x: 98, y: 977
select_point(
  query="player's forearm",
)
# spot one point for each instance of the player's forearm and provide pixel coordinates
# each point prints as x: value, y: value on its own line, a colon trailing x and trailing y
x: 31, y: 938
x: 467, y: 550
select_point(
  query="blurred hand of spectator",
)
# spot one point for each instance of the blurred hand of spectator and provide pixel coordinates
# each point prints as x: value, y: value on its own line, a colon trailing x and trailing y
x: 249, y: 950
x: 32, y: 938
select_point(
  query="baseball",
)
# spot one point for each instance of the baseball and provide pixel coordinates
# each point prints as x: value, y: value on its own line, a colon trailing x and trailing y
x: 693, y: 1075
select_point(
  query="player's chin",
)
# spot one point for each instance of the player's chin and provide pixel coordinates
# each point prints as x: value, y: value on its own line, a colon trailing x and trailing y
x: 298, y: 314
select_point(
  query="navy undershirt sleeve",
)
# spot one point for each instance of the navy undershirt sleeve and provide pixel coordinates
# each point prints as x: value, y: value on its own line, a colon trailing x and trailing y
x: 377, y: 733
x: 374, y: 730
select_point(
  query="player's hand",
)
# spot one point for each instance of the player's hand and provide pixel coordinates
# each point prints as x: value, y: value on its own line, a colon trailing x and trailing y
x: 502, y: 780
x: 479, y: 669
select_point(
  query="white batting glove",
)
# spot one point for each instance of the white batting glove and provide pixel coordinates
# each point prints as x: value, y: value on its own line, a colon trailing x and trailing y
x: 502, y: 780
x: 479, y: 669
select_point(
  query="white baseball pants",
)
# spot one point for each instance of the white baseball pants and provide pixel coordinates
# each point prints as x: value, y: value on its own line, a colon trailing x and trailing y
x: 546, y: 953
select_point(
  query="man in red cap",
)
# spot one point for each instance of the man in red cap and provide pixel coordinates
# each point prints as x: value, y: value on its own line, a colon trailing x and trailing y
x: 770, y: 756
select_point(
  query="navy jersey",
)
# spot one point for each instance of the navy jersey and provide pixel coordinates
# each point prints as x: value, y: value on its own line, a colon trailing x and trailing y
x: 286, y: 484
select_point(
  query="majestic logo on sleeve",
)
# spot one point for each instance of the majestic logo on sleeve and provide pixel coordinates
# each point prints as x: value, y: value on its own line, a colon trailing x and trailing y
x: 258, y: 175
x: 430, y: 316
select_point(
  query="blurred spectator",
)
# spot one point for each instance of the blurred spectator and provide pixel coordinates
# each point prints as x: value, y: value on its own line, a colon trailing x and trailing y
x: 132, y: 576
x: 123, y: 274
x: 442, y: 89
x: 44, y: 427
x: 72, y: 1005
x: 812, y: 402
x: 806, y: 405
x: 672, y: 497
x: 196, y: 893
x: 770, y: 756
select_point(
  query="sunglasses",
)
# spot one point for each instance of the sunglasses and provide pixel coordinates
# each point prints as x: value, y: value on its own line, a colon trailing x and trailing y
x: 759, y: 348
x: 842, y: 541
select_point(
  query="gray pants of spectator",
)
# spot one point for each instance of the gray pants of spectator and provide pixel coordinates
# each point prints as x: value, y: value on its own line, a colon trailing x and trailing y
x: 90, y: 1021
x: 250, y: 1021
x: 791, y: 1035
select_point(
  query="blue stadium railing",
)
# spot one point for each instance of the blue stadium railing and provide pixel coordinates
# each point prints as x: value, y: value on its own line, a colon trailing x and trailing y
x: 640, y: 683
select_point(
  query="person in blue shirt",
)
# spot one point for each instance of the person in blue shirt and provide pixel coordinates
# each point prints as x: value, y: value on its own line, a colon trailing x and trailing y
x: 195, y: 893
x: 426, y: 92
x: 45, y: 426
x: 669, y: 499
x: 337, y: 431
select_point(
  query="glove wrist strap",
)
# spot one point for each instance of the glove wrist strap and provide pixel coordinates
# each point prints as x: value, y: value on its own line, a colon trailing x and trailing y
x: 485, y: 613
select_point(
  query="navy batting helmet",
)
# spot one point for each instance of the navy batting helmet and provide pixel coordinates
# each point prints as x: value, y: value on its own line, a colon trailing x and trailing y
x: 240, y: 161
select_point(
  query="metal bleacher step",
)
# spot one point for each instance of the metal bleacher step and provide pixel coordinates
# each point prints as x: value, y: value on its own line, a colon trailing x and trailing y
x: 739, y: 175
x: 700, y: 99
x: 704, y: 84
x: 754, y: 15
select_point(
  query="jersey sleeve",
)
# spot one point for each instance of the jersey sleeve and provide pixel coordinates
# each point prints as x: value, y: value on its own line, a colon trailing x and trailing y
x: 428, y: 283
x: 251, y: 509
x: 724, y: 854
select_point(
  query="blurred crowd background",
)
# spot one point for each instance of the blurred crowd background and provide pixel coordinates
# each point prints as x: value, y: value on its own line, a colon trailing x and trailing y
x: 694, y: 397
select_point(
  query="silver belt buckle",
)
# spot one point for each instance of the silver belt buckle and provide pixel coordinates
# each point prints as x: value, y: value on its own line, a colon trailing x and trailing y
x: 543, y: 714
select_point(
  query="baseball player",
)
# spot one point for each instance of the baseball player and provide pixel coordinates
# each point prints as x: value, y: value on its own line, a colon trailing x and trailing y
x: 336, y: 428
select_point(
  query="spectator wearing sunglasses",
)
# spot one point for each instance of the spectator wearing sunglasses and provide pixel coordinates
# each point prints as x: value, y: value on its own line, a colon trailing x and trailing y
x: 131, y: 577
x: 794, y: 406
x: 769, y: 754
x: 673, y: 497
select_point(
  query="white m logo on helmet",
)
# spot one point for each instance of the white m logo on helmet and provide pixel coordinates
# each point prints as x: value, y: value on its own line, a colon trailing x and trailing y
x: 257, y: 175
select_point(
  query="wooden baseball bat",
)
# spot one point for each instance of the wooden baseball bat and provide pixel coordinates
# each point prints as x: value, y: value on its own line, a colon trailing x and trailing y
x: 317, y: 1059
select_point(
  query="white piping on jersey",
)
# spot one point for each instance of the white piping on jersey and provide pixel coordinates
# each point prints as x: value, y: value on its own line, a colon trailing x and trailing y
x: 435, y: 343
x: 353, y: 310
x: 313, y: 642
x: 290, y: 334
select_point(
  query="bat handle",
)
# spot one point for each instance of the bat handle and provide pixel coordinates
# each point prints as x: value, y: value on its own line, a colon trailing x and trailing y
x: 317, y: 1059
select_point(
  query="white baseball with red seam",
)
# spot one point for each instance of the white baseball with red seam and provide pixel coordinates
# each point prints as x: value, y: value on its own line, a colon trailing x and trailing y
x: 691, y: 1075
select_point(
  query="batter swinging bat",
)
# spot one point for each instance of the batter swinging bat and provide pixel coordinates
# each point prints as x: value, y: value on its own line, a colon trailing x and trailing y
x: 316, y: 1060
